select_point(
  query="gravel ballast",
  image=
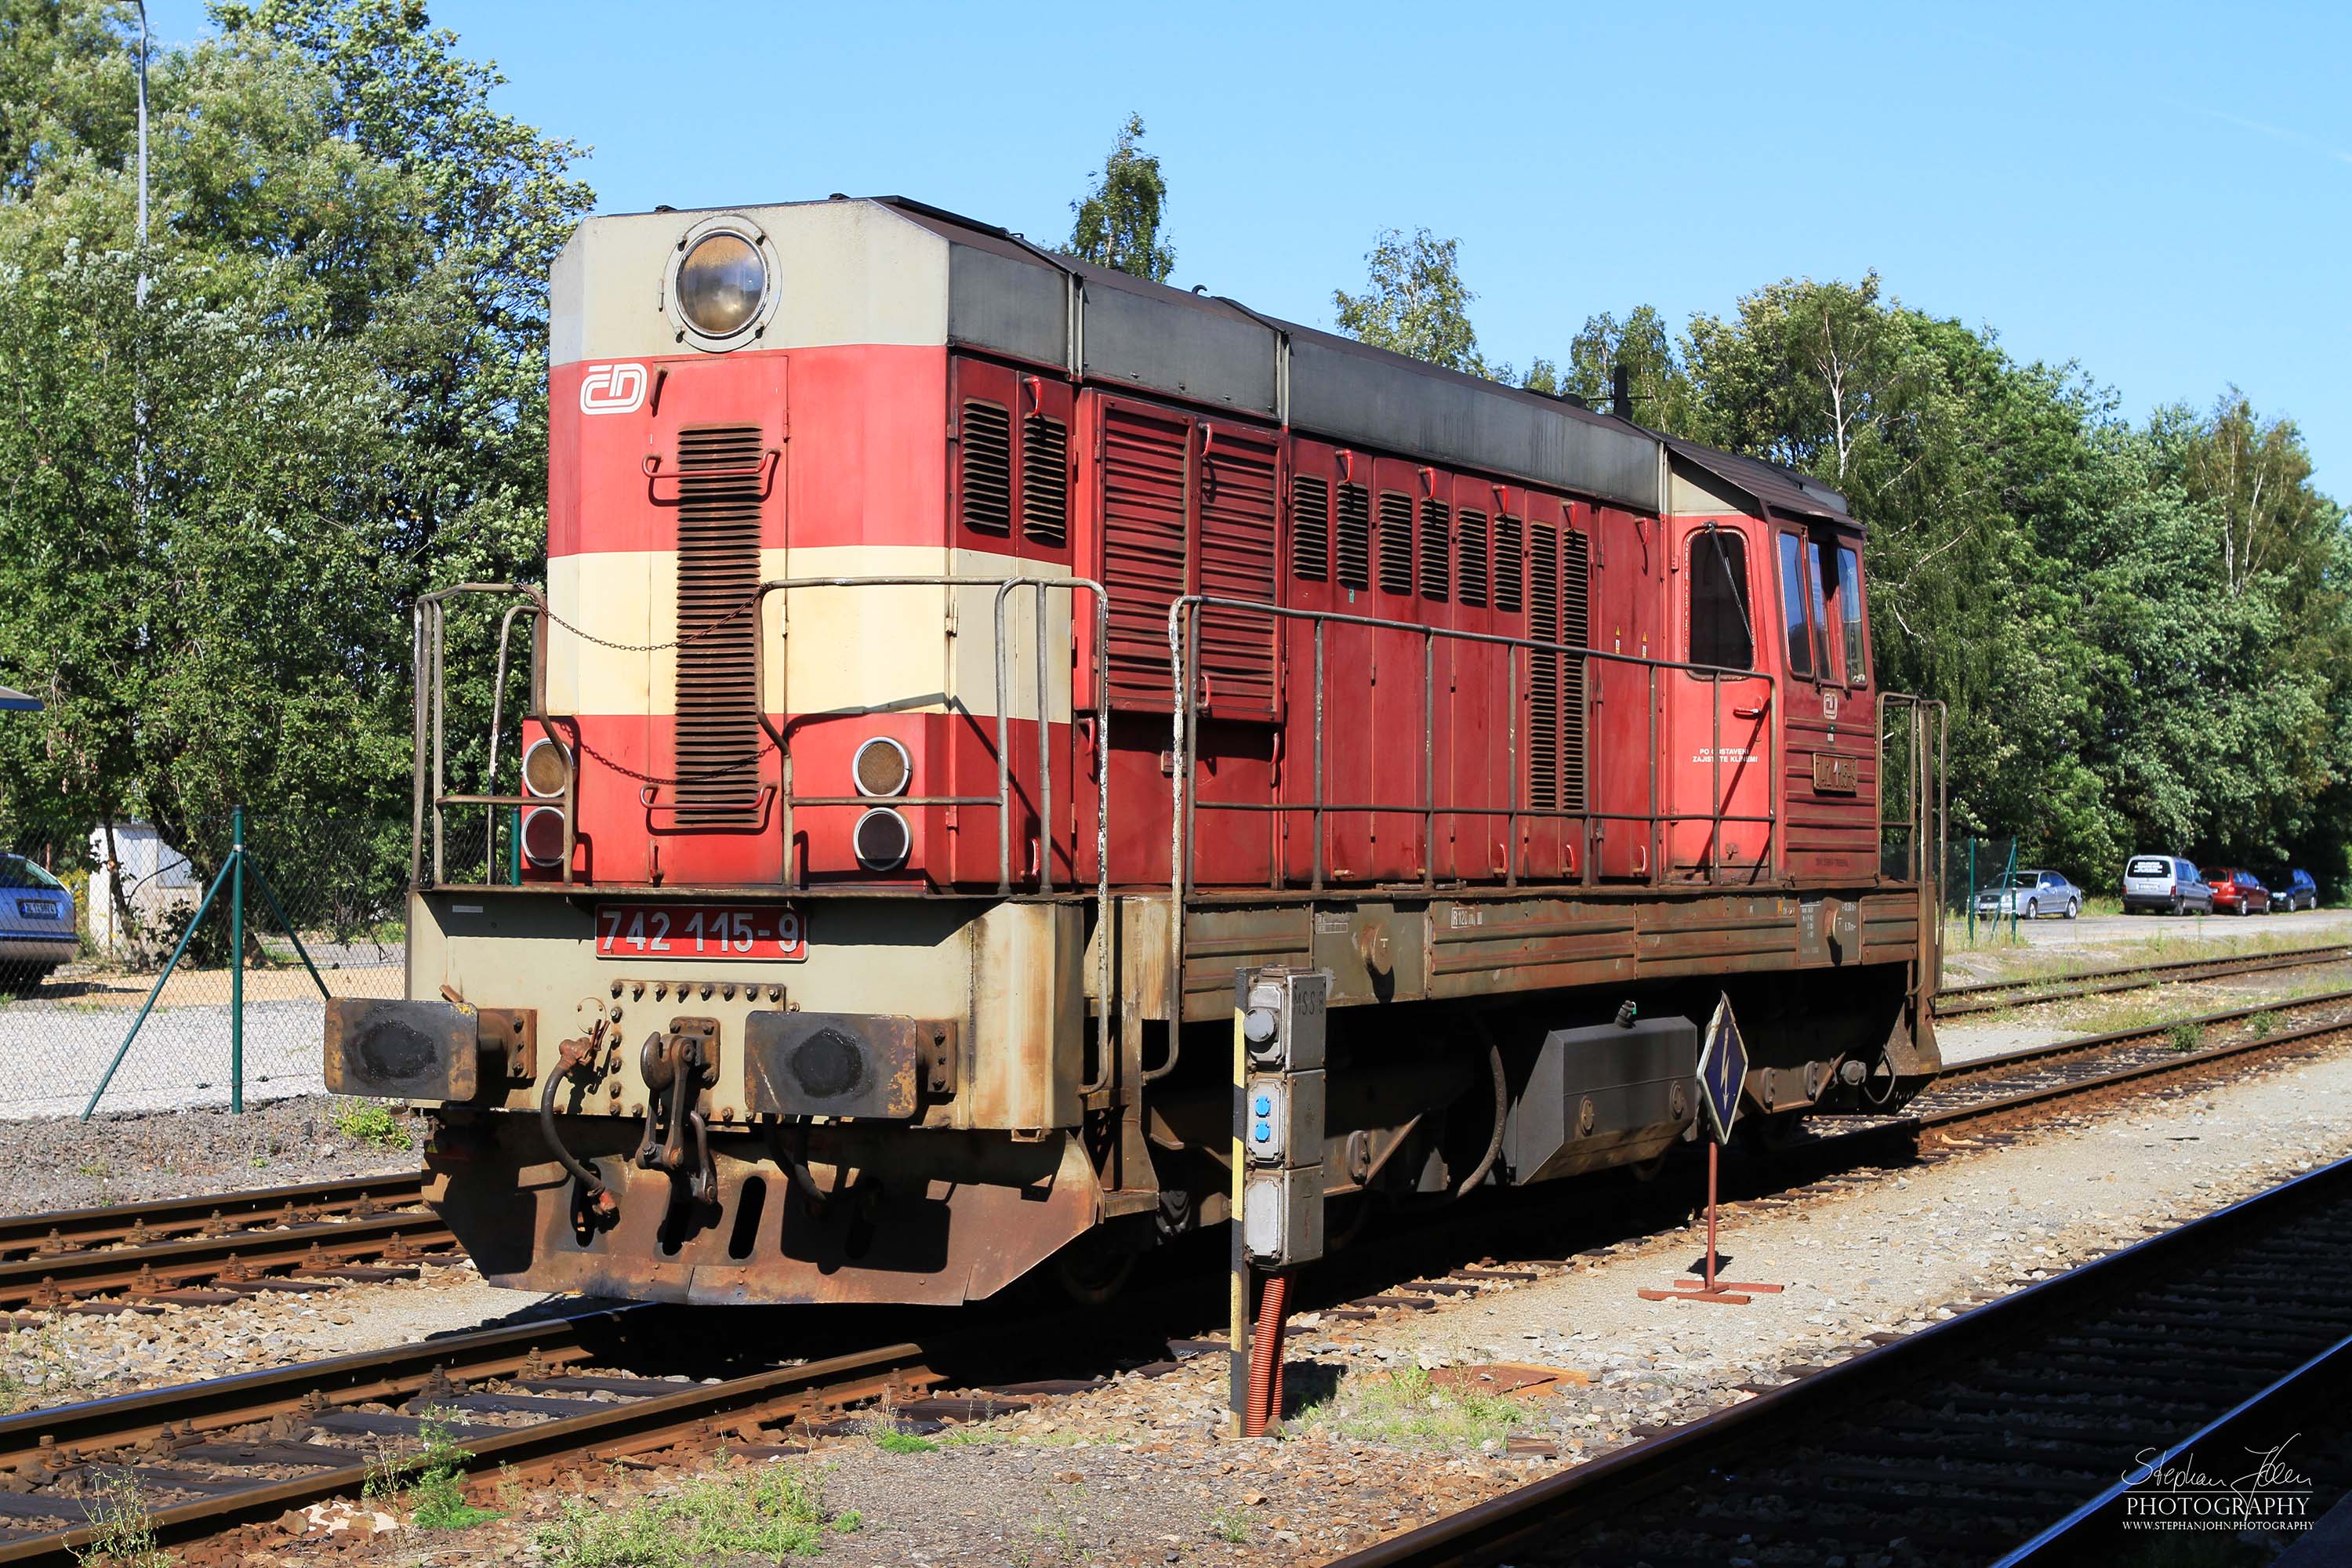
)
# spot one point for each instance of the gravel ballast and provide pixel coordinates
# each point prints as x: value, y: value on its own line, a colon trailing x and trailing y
x: 123, y: 1157
x: 1137, y: 1471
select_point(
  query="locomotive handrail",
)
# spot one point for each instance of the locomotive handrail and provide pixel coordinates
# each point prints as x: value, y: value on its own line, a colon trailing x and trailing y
x: 1003, y: 799
x: 1183, y: 635
x: 428, y: 651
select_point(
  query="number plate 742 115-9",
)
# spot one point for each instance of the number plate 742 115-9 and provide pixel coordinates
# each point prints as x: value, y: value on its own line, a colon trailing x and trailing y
x: 774, y: 933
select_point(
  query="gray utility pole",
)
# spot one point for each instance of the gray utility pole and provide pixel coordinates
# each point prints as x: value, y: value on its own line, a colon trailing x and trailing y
x: 143, y: 151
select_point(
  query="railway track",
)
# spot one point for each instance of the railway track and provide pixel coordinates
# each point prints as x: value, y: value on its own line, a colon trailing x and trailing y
x: 210, y: 1457
x: 2008, y: 1432
x: 2001, y: 1087
x: 232, y: 1244
x: 1995, y: 996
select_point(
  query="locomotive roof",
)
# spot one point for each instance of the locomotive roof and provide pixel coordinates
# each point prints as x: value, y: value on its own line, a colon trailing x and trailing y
x: 1210, y: 349
x: 1780, y: 491
x: 972, y: 284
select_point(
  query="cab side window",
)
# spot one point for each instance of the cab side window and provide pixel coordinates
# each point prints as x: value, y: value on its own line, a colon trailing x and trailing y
x: 1718, y: 601
x: 1849, y: 571
x: 1793, y: 594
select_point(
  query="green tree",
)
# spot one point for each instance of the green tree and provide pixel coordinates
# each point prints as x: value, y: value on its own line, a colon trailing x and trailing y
x: 1663, y: 397
x: 1415, y: 302
x: 1118, y: 222
x: 339, y: 377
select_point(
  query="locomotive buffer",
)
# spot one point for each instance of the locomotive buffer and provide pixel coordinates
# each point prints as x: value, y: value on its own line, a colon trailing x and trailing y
x: 1722, y: 1074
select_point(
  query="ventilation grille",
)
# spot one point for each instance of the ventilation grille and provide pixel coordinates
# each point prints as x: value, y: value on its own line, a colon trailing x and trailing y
x: 1143, y: 549
x: 1311, y: 528
x: 1543, y: 677
x: 1470, y: 583
x: 1355, y: 537
x: 1575, y: 630
x: 987, y: 441
x: 1237, y: 561
x: 1396, y: 544
x: 715, y: 728
x: 1436, y: 550
x: 1044, y: 479
x: 1510, y: 564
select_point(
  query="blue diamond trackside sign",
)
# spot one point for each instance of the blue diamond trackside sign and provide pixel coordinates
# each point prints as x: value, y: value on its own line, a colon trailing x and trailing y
x: 1722, y: 1071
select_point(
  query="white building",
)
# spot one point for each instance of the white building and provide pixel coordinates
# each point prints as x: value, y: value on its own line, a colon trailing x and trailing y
x: 156, y: 879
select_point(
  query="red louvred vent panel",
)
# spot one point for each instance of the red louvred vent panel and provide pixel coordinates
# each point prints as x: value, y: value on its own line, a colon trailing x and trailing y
x: 1237, y: 561
x: 1143, y: 515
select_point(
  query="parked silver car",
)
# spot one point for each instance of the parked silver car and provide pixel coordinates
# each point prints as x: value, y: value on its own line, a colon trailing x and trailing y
x: 36, y: 925
x: 2166, y: 883
x: 2032, y: 894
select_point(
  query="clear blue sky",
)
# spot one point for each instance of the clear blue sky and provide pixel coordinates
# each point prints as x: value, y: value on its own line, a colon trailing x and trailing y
x: 2162, y: 193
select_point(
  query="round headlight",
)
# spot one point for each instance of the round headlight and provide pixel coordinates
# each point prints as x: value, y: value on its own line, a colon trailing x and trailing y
x: 882, y: 839
x: 720, y: 283
x: 882, y: 767
x: 546, y: 768
x: 542, y: 836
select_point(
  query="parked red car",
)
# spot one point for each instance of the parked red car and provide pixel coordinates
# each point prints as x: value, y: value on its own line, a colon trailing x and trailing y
x: 2237, y: 893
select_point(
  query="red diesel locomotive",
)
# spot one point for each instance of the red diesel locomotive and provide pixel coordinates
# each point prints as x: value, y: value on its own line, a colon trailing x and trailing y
x: 957, y: 662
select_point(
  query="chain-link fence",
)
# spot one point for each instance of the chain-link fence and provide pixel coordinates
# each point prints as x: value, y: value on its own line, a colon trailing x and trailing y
x: 1975, y: 865
x: 331, y: 890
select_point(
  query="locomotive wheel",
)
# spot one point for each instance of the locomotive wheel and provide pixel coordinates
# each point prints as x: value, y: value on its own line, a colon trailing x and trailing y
x: 1648, y: 1170
x: 1778, y: 1130
x: 1344, y: 1218
x: 1093, y: 1269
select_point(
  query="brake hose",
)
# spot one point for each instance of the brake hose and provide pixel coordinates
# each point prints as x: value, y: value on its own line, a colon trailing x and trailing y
x: 568, y: 1060
x: 1494, y: 1140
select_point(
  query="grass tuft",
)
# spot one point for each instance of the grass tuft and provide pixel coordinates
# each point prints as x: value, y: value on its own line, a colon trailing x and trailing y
x: 430, y: 1483
x: 123, y: 1530
x: 366, y: 1122
x: 769, y: 1515
x: 1409, y: 1409
x: 2186, y: 1037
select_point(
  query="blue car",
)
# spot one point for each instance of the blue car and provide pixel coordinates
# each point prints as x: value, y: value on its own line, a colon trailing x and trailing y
x: 2298, y: 891
x: 36, y: 925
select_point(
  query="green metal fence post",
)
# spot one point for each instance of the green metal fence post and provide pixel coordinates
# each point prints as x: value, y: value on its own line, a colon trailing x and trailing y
x: 124, y: 1049
x: 236, y: 960
x: 1972, y: 891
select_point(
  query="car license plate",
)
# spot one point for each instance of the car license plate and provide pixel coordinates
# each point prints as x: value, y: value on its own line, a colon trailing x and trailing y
x: 773, y: 932
x: 38, y: 909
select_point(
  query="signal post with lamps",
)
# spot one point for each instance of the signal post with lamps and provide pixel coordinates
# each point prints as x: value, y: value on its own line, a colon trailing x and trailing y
x: 1278, y: 1163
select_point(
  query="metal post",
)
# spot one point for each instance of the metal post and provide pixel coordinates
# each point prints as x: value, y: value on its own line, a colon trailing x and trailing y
x: 142, y: 154
x: 1319, y: 795
x: 1713, y: 1163
x: 157, y: 990
x: 1238, y: 1357
x: 1972, y: 889
x: 237, y: 959
x: 269, y: 896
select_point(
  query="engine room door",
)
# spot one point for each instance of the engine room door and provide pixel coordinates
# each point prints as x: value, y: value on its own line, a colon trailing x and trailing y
x: 1719, y: 728
x: 1628, y: 571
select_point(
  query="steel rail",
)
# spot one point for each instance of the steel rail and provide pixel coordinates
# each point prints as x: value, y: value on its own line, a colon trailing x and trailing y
x: 1994, y: 995
x: 1781, y: 1418
x: 45, y: 1441
x: 157, y: 1218
x: 172, y: 1265
x: 2081, y: 1044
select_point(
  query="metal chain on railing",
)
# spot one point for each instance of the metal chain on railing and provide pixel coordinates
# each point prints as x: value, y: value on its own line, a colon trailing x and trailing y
x: 586, y: 636
x: 627, y: 772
